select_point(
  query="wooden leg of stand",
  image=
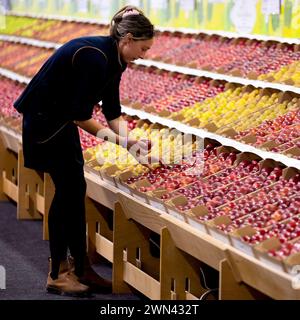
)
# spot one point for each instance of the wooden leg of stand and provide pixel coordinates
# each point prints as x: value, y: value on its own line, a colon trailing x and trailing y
x: 99, y: 230
x: 180, y: 272
x: 122, y: 231
x: 27, y: 182
x: 133, y: 262
x: 3, y: 157
x: 230, y: 289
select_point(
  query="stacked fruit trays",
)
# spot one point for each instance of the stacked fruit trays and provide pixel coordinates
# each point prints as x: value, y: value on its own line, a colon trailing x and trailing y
x: 270, y: 61
x: 196, y: 101
x: 252, y: 59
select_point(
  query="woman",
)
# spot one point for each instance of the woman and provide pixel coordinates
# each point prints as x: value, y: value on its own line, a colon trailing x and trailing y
x: 60, y: 98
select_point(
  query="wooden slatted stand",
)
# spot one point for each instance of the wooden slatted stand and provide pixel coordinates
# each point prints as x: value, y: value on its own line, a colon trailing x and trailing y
x: 133, y: 264
x: 32, y: 190
x: 99, y: 230
x: 9, y: 171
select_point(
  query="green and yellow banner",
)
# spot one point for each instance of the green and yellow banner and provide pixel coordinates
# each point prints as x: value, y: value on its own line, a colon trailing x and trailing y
x: 265, y: 17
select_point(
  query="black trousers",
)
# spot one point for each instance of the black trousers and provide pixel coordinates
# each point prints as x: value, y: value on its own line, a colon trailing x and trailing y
x: 61, y: 156
x: 67, y: 223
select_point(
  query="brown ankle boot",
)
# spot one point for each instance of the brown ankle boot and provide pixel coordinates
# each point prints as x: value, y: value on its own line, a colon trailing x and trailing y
x: 92, y: 279
x: 66, y: 283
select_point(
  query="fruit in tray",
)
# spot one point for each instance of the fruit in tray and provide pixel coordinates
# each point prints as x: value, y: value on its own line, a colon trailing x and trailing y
x: 169, y: 145
x: 289, y: 74
x: 263, y: 209
x: 242, y: 57
x: 89, y: 141
x: 213, y: 198
x: 286, y: 147
x: 218, y: 180
x: 14, y: 25
x: 51, y: 30
x: 25, y: 60
x: 164, y: 90
x: 266, y: 195
x: 287, y: 249
x: 284, y: 231
x: 236, y: 108
x: 108, y: 154
x: 189, y: 172
x: 280, y: 137
x: 8, y: 114
x: 291, y: 118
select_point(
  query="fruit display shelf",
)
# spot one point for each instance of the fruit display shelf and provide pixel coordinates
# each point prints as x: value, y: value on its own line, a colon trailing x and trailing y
x: 189, y: 91
x: 226, y: 34
x: 270, y: 60
x: 239, y: 57
x: 242, y: 146
x: 26, y: 62
x: 225, y: 194
x: 177, y: 236
x: 243, y: 204
x: 50, y: 30
x: 217, y: 76
x: 219, y: 171
x: 10, y: 119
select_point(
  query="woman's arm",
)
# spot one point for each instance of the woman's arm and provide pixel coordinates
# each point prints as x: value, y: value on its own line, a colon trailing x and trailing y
x: 139, y: 149
x: 97, y: 129
x: 119, y: 126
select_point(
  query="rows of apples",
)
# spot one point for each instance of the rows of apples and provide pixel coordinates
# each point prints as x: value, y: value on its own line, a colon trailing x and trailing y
x: 187, y: 98
x: 241, y: 57
x: 248, y: 192
x: 163, y: 90
x: 230, y: 193
x: 239, y: 108
x: 201, y: 103
x: 282, y: 130
x: 219, y: 183
x: 196, y: 101
x: 11, y: 90
x: 280, y: 135
x: 166, y: 144
x: 22, y: 59
x: 204, y: 104
x: 265, y: 60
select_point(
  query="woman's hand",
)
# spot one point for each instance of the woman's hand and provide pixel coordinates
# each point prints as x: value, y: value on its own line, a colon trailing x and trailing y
x: 141, y: 151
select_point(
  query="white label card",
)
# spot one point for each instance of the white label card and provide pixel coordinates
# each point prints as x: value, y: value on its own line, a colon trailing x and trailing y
x: 82, y: 6
x: 187, y: 5
x: 243, y: 15
x: 270, y: 7
x: 159, y: 4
